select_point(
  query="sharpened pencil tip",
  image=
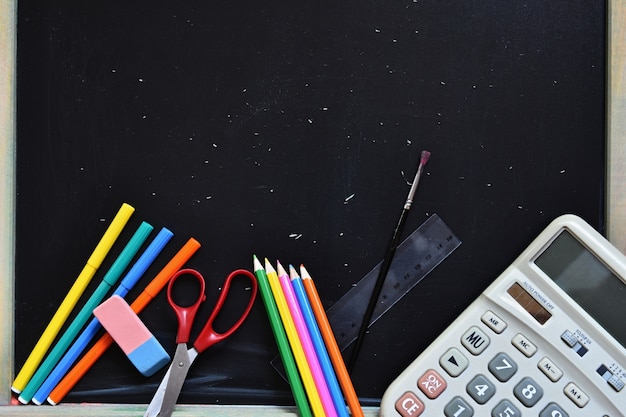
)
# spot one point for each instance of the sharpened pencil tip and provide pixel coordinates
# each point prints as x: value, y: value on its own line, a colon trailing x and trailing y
x: 304, y: 273
x: 292, y: 272
x: 268, y: 267
x: 257, y: 264
x: 280, y: 270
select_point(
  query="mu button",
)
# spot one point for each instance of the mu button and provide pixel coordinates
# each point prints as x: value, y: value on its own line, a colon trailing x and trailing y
x: 475, y: 340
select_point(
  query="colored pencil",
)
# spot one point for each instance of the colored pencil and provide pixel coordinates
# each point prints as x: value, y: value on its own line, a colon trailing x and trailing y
x: 280, y: 336
x: 318, y: 343
x: 294, y: 342
x: 331, y: 344
x: 46, y: 378
x: 307, y: 344
x: 56, y: 323
x: 148, y: 294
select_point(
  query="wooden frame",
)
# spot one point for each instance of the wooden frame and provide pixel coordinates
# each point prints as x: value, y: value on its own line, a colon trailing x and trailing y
x: 616, y: 200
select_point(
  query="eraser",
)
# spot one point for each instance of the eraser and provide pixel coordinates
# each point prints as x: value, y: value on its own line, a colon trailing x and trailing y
x: 129, y: 332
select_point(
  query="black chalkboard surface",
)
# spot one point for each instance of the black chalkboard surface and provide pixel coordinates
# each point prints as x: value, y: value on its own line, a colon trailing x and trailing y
x: 291, y: 130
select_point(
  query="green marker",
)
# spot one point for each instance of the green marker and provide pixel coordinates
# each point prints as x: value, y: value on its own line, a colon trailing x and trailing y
x: 281, y: 340
x: 112, y: 275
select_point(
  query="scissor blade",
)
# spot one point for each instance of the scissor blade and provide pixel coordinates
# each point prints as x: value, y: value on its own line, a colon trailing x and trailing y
x: 178, y: 372
x: 155, y: 404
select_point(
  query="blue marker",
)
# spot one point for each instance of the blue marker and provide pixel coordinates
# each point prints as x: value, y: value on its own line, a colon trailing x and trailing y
x: 110, y: 278
x: 318, y: 344
x: 129, y: 281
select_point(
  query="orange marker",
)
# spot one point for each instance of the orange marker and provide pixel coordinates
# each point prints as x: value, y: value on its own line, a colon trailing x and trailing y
x: 331, y: 344
x: 156, y: 285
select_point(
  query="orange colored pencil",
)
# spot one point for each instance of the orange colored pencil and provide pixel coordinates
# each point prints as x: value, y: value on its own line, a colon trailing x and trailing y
x: 98, y: 349
x: 331, y: 344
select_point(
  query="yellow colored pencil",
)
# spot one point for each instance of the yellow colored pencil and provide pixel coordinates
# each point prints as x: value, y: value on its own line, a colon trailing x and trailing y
x: 294, y: 341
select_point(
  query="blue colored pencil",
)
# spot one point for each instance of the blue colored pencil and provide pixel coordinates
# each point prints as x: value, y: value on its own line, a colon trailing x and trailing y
x: 129, y: 281
x: 318, y: 343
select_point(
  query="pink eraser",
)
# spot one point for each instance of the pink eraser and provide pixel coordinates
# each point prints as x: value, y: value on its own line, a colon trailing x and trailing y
x: 129, y: 332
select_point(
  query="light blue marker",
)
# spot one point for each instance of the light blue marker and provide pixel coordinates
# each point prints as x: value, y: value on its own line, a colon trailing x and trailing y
x: 129, y: 281
x: 318, y: 344
x: 110, y: 278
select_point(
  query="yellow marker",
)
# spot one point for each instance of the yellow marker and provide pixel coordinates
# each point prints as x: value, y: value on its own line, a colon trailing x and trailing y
x: 294, y: 341
x: 70, y: 300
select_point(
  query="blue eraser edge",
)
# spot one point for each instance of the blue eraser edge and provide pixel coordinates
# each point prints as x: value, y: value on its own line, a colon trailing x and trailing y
x: 149, y: 357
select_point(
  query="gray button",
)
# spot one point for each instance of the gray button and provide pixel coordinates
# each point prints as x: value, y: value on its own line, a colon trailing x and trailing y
x: 458, y: 407
x: 480, y: 389
x: 553, y: 410
x: 528, y: 392
x: 505, y: 408
x: 502, y: 367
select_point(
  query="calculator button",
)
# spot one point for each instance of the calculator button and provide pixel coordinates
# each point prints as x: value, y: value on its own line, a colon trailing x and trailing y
x: 432, y: 384
x: 550, y: 369
x: 524, y: 345
x: 502, y: 367
x: 454, y: 362
x: 494, y: 322
x: 475, y: 340
x: 553, y: 410
x: 458, y: 407
x: 409, y: 405
x: 575, y: 394
x: 505, y: 408
x: 480, y: 389
x: 528, y: 392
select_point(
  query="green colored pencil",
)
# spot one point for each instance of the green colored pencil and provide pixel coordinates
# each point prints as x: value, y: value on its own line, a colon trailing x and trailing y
x: 281, y: 340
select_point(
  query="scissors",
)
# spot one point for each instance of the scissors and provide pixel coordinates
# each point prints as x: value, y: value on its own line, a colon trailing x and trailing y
x: 165, y: 398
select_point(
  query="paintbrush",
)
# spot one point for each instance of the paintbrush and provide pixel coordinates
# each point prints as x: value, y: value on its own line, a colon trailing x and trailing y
x: 391, y: 250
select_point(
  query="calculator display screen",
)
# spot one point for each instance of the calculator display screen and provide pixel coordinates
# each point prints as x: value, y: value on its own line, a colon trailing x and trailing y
x: 588, y: 281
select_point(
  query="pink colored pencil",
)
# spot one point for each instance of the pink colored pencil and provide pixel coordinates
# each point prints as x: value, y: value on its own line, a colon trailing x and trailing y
x: 307, y: 343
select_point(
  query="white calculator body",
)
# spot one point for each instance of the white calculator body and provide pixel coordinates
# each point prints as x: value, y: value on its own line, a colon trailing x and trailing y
x: 547, y: 339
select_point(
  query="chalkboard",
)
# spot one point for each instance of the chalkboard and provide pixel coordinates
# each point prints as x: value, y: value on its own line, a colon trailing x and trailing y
x: 292, y: 130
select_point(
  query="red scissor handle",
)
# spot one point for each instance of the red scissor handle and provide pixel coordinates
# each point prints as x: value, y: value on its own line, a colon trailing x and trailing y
x: 208, y: 336
x: 186, y: 314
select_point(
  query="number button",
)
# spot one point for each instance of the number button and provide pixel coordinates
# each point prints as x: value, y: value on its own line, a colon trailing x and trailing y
x: 502, y: 367
x: 475, y: 340
x: 505, y: 409
x: 553, y: 410
x: 409, y: 405
x: 458, y: 407
x: 528, y: 392
x: 480, y: 389
x: 432, y: 384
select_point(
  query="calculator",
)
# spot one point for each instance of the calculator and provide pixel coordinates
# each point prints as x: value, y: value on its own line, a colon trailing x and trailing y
x: 546, y: 339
